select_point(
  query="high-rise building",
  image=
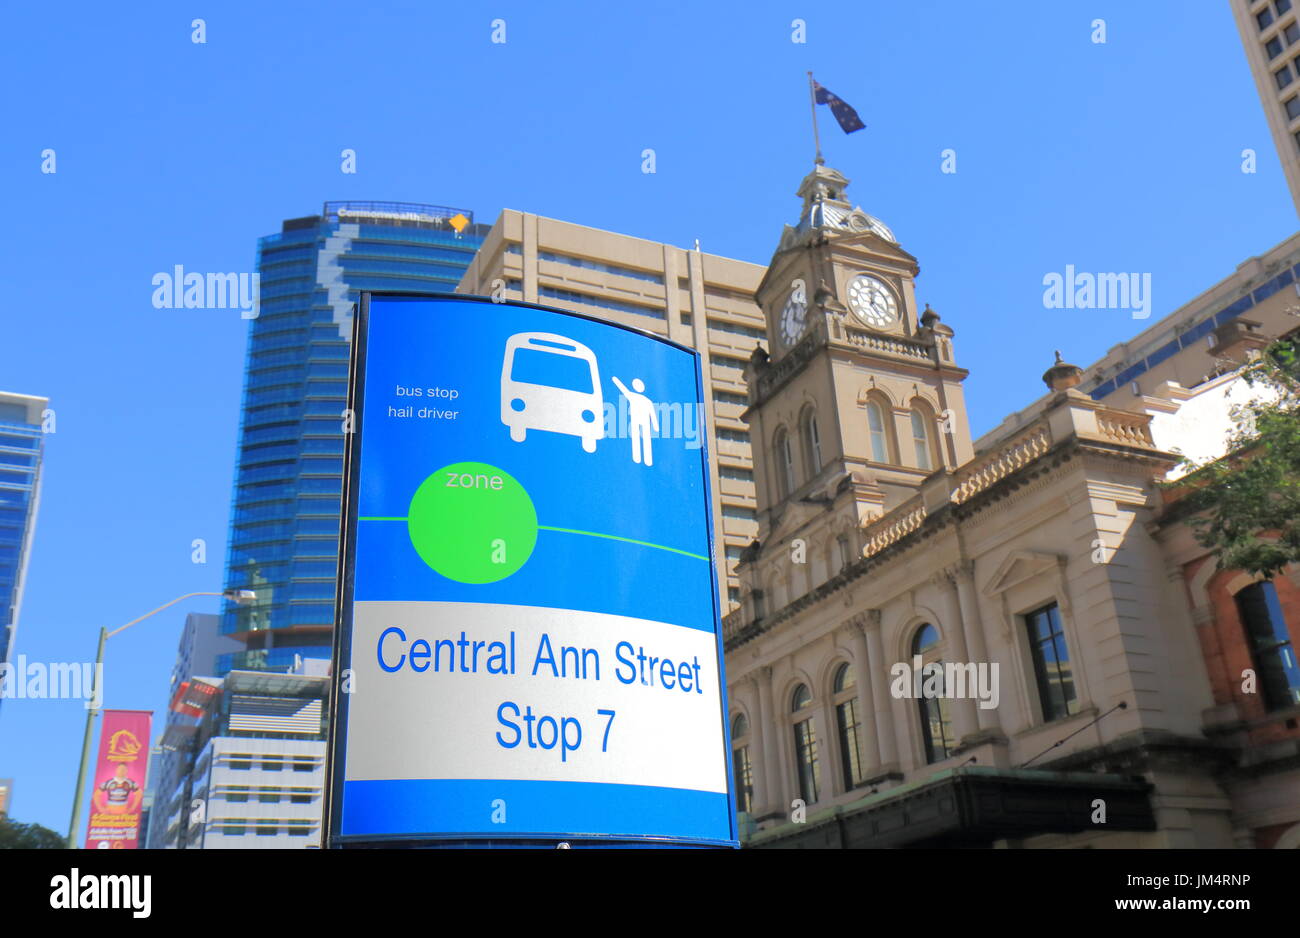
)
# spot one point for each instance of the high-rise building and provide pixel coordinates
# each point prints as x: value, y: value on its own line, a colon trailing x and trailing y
x: 6, y: 795
x: 288, y: 480
x: 1270, y: 31
x: 700, y: 300
x: 22, y: 441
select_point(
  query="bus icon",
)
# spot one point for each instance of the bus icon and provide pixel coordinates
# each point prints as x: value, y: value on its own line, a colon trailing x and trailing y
x: 551, y: 383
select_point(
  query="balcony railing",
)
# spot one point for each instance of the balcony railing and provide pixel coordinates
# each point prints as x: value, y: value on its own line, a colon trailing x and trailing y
x: 983, y: 472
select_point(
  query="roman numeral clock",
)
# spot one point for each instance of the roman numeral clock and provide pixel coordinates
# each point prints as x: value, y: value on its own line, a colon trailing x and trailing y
x: 794, y: 317
x: 872, y: 301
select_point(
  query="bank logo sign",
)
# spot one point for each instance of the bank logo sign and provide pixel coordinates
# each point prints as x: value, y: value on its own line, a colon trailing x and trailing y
x: 530, y: 624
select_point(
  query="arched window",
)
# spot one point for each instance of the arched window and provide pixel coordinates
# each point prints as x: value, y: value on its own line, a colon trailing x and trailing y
x: 1270, y: 645
x: 845, y: 695
x: 805, y: 744
x: 936, y: 714
x: 784, y: 462
x: 812, y: 443
x: 921, y: 439
x: 741, y: 768
x: 876, y: 428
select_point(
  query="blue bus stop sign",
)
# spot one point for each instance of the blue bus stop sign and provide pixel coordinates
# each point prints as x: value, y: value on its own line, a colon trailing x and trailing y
x: 528, y: 644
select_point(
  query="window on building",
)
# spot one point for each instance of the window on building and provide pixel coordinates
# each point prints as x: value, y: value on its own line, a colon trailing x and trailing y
x: 1282, y: 76
x: 269, y: 796
x: 237, y: 793
x: 805, y: 745
x: 1293, y: 106
x: 784, y: 462
x: 303, y: 763
x: 300, y: 796
x: 1270, y: 645
x: 935, y: 712
x: 921, y: 439
x: 812, y: 443
x: 876, y: 426
x: 740, y: 767
x: 243, y: 760
x: 1273, y: 47
x: 737, y: 473
x: 267, y: 830
x: 273, y: 765
x: 1052, y: 667
x: 1291, y: 33
x: 232, y: 830
x: 299, y: 828
x: 733, y: 594
x: 1282, y: 6
x: 1264, y: 18
x: 1296, y: 137
x: 845, y: 691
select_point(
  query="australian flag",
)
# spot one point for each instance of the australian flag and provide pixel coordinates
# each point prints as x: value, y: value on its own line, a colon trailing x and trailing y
x: 847, y: 117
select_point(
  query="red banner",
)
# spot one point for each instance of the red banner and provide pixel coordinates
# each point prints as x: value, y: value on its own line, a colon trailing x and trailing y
x: 118, y: 783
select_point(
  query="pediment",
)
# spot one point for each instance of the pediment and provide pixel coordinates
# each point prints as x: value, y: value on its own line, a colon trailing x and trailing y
x: 793, y: 516
x: 1019, y: 566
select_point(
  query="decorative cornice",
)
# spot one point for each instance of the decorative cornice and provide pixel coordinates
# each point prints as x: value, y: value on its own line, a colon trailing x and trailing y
x: 1029, y: 454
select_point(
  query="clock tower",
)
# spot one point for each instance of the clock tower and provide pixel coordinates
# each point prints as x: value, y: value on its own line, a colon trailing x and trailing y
x: 860, y: 398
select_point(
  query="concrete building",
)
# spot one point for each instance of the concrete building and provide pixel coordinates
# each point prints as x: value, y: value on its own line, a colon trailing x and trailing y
x: 1270, y: 32
x: 201, y: 646
x: 954, y: 642
x: 257, y: 774
x: 700, y: 300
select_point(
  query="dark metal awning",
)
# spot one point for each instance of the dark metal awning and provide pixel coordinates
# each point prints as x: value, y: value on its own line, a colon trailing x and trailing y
x: 973, y: 806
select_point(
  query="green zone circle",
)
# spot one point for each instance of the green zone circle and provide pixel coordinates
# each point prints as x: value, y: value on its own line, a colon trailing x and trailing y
x: 472, y: 522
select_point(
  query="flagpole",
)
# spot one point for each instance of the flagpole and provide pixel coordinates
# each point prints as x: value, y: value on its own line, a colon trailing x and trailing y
x: 812, y: 101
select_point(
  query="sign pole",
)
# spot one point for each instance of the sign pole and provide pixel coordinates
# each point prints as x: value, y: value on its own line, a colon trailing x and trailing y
x: 91, y: 713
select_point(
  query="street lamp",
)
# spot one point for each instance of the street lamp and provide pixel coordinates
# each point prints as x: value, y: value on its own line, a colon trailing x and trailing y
x: 242, y: 597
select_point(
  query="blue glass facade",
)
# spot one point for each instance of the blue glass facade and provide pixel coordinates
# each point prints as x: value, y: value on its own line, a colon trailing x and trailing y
x: 21, y: 446
x: 289, y: 469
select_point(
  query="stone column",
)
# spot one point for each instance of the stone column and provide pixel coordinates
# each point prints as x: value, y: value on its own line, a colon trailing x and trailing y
x: 771, y: 801
x: 864, y: 671
x: 887, y: 738
x: 757, y: 753
x: 964, y: 721
x: 831, y: 768
x: 973, y: 623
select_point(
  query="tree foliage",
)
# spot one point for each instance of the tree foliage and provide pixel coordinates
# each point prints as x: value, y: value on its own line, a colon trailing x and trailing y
x: 1247, y: 504
x: 16, y: 836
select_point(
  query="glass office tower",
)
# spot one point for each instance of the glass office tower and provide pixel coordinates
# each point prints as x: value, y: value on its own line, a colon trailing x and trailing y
x: 289, y: 472
x: 22, y: 442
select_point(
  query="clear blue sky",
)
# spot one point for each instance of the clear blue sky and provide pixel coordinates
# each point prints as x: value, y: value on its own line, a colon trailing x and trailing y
x: 1115, y: 157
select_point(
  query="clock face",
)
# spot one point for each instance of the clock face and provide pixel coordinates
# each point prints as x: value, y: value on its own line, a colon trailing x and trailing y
x: 872, y: 301
x: 793, y: 319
